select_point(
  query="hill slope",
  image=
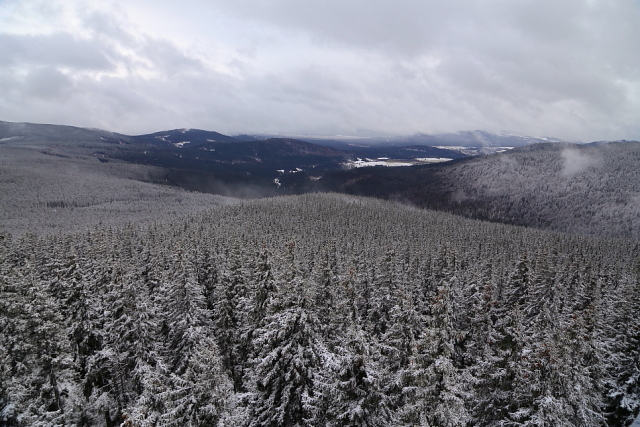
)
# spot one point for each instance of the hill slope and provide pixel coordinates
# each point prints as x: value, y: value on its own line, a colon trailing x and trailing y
x: 58, y: 178
x: 588, y: 189
x: 319, y: 310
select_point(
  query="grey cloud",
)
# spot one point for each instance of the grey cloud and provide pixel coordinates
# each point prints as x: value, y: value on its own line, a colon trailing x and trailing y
x: 416, y: 26
x: 107, y: 27
x: 507, y: 63
x: 111, y: 32
x: 568, y: 69
x: 59, y: 49
x: 166, y: 58
x: 48, y: 83
x: 404, y: 26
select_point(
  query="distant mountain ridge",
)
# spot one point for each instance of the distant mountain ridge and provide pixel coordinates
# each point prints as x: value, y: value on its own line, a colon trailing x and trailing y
x: 56, y: 133
x: 210, y: 156
x: 198, y: 137
x: 193, y: 137
x: 477, y: 138
x: 586, y: 188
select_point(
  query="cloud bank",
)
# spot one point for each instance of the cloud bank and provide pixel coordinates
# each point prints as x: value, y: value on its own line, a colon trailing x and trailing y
x: 567, y: 69
x: 575, y: 162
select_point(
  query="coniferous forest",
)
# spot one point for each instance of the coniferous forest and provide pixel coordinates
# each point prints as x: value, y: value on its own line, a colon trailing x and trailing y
x: 318, y: 310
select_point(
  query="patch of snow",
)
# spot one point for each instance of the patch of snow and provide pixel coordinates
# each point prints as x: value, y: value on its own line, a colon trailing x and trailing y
x: 433, y: 159
x: 280, y: 171
x: 385, y: 161
x: 399, y: 164
x: 452, y: 147
x: 181, y: 144
x: 315, y: 178
x: 277, y: 182
x: 359, y: 163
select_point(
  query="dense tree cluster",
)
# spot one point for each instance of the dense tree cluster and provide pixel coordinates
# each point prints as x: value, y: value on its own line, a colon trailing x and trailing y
x: 318, y: 310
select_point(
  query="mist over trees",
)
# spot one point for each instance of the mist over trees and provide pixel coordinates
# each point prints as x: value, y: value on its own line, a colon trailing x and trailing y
x: 318, y: 310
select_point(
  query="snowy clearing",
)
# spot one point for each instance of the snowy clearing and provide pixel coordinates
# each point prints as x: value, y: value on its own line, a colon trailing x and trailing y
x: 385, y: 161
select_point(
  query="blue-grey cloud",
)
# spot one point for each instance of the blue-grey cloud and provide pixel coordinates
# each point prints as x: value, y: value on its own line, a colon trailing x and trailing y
x: 60, y: 49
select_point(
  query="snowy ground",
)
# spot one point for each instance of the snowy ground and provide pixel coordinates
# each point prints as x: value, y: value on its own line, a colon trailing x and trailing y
x: 385, y: 161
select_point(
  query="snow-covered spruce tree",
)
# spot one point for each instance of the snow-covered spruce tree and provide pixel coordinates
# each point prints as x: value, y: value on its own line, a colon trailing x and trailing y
x: 82, y: 287
x: 384, y: 292
x: 207, y: 275
x: 436, y: 391
x: 12, y: 303
x: 231, y: 318
x: 583, y: 366
x: 623, y: 342
x: 130, y: 339
x: 42, y: 384
x: 398, y: 348
x: 199, y: 396
x: 197, y: 388
x: 263, y: 296
x: 540, y: 381
x: 265, y: 288
x: 286, y: 373
x: 356, y: 395
x: 325, y: 281
x: 518, y: 287
x: 499, y: 401
x: 106, y: 383
x: 491, y: 379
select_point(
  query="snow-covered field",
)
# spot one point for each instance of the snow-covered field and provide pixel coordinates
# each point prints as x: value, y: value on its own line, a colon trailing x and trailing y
x: 385, y: 161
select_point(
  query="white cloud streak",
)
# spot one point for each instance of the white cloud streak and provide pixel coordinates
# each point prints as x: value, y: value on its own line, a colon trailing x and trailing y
x: 575, y: 162
x: 567, y: 69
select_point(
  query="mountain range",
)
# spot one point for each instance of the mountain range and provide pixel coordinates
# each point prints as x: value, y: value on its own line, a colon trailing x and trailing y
x: 588, y: 188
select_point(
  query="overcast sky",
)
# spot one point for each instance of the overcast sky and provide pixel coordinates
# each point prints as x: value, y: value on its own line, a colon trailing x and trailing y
x: 562, y: 68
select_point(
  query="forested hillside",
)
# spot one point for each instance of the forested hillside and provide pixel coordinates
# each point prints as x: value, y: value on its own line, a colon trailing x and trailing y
x: 52, y: 190
x: 586, y: 189
x: 319, y: 310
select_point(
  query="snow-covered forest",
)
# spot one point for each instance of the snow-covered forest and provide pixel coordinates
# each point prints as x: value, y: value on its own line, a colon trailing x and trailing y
x: 583, y: 189
x: 318, y: 310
